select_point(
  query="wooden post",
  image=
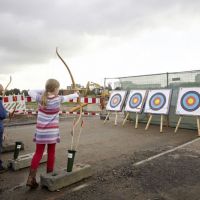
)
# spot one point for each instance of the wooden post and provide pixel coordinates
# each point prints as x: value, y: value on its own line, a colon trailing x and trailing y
x: 148, y: 123
x: 115, y: 118
x: 79, y: 135
x: 106, y: 117
x: 161, y: 123
x: 72, y: 133
x: 136, y: 120
x: 125, y: 119
x: 178, y: 124
x: 198, y: 126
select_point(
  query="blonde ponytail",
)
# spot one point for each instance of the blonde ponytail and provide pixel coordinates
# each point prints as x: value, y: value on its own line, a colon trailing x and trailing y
x: 44, y: 99
x: 50, y: 86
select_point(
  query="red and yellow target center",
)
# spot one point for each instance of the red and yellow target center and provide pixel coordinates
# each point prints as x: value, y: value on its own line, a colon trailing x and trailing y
x: 135, y: 100
x: 115, y: 101
x: 157, y: 101
x: 191, y: 101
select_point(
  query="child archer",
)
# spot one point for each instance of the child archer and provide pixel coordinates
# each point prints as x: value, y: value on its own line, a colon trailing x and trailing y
x: 47, y: 129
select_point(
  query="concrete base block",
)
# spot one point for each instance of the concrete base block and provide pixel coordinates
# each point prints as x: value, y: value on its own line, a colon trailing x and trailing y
x: 57, y: 180
x: 22, y: 161
x: 10, y: 147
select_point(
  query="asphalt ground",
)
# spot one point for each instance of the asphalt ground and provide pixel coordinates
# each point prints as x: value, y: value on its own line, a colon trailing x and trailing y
x: 113, y: 151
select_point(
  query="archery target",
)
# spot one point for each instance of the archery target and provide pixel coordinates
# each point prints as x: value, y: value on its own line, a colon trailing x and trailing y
x: 116, y: 100
x: 158, y: 101
x: 135, y: 101
x: 188, y: 101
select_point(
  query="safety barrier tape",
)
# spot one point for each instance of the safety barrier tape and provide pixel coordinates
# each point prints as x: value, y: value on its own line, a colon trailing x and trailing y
x: 91, y: 100
x: 27, y: 112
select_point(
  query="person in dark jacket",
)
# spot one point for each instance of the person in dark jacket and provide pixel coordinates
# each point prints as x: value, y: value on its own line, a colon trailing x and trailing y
x: 3, y: 114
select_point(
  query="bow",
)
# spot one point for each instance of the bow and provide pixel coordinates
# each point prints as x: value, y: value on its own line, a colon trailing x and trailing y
x: 11, y: 115
x: 72, y: 78
x: 75, y: 124
x: 4, y: 92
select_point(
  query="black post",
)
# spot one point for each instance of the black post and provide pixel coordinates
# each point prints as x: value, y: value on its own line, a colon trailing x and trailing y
x: 70, y: 161
x: 18, y: 146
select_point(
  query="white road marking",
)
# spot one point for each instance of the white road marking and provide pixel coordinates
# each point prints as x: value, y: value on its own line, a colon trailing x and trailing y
x: 80, y: 187
x: 165, y: 152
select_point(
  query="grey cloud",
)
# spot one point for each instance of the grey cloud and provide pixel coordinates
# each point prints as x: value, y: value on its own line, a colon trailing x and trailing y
x: 31, y: 30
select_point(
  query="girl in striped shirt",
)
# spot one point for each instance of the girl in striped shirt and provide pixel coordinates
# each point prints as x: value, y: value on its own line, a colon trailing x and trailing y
x: 47, y: 127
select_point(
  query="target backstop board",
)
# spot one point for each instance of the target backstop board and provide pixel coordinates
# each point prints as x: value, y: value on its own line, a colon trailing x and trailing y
x: 116, y: 100
x: 188, y: 102
x: 158, y: 101
x: 135, y: 101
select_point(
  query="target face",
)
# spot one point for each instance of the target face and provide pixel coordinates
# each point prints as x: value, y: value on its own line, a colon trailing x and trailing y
x: 135, y: 102
x: 116, y: 100
x: 188, y: 101
x: 158, y: 101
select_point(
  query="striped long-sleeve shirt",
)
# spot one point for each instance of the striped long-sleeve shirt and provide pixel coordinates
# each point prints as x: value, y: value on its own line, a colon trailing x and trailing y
x: 47, y: 127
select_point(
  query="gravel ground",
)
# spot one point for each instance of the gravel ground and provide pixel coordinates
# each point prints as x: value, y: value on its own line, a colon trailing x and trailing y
x: 112, y: 152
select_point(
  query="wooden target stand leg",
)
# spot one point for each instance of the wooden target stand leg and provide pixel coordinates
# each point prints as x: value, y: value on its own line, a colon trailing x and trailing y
x: 106, y: 117
x: 136, y: 120
x: 198, y: 126
x: 161, y: 123
x: 178, y: 124
x: 116, y: 116
x: 148, y: 123
x: 125, y: 119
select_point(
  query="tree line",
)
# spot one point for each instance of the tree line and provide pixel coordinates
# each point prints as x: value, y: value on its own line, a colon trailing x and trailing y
x: 17, y: 91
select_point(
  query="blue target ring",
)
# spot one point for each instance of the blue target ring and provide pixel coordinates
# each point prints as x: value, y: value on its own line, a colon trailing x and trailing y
x: 190, y: 101
x: 115, y: 100
x: 157, y: 101
x: 135, y: 100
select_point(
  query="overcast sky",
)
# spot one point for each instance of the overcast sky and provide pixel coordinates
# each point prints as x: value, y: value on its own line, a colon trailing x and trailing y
x: 96, y: 38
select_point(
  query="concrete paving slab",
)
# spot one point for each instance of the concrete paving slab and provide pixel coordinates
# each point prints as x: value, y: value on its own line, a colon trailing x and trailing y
x: 57, y: 180
x: 22, y: 161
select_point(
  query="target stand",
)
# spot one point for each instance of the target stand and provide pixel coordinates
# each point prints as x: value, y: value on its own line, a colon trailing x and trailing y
x: 115, y: 104
x: 136, y: 119
x: 179, y: 122
x: 135, y: 104
x: 188, y: 104
x: 158, y: 102
x: 108, y: 115
x: 149, y: 121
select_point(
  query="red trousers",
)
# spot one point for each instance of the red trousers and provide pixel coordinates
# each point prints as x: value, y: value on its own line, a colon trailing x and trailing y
x: 39, y: 153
